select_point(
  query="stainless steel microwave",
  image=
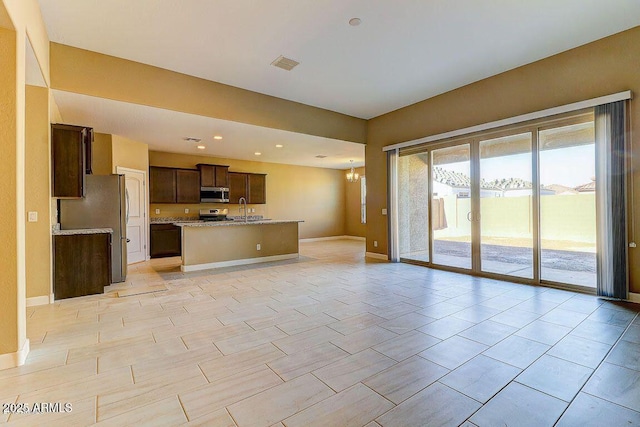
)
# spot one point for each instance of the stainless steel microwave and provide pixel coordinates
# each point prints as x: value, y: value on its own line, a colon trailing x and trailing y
x: 214, y: 195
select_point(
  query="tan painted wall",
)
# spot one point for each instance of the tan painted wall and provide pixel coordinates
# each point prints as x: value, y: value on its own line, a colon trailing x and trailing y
x: 352, y: 225
x: 314, y: 195
x: 13, y: 273
x: 91, y: 73
x: 102, y: 153
x: 600, y: 68
x: 38, y: 192
x: 205, y: 245
x: 25, y: 17
x: 129, y: 154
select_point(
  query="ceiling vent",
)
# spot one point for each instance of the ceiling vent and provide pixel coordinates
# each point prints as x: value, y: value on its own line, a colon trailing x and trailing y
x: 320, y: 156
x: 284, y: 63
x: 191, y: 139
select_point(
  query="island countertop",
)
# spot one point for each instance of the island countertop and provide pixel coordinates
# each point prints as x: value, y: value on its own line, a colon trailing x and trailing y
x: 236, y: 222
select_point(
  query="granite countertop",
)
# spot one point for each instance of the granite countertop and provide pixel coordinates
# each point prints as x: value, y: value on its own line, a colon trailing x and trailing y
x: 171, y: 220
x: 82, y: 231
x: 231, y: 223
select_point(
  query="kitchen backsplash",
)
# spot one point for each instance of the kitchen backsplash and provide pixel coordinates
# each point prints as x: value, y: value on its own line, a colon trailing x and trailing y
x: 178, y: 210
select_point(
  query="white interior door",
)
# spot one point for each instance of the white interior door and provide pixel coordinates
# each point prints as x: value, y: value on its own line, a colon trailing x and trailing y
x: 135, y: 183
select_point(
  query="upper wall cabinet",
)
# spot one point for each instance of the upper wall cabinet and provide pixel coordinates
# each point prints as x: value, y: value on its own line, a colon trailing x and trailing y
x: 187, y: 186
x: 162, y: 185
x: 70, y: 159
x: 214, y: 175
x: 170, y: 185
x: 257, y: 188
x: 251, y: 186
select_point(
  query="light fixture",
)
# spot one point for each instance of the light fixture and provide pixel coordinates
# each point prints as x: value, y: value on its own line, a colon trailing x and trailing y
x: 279, y: 145
x: 354, y: 22
x: 257, y: 153
x: 217, y: 137
x: 352, y: 176
x: 200, y: 147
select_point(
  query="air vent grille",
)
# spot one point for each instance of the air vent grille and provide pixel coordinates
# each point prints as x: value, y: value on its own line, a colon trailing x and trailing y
x: 284, y: 63
x: 320, y: 156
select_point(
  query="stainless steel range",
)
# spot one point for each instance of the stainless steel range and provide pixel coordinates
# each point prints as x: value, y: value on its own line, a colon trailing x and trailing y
x: 214, y: 215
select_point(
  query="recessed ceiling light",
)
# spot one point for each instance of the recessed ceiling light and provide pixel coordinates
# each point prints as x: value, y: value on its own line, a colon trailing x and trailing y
x: 279, y: 145
x: 257, y: 153
x: 217, y: 137
x: 191, y: 139
x: 201, y: 147
x: 354, y: 22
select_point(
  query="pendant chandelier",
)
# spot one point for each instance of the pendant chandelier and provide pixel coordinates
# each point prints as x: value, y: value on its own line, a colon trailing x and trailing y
x: 352, y: 176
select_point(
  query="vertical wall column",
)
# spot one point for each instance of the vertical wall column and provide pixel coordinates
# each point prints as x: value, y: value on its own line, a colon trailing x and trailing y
x: 14, y: 345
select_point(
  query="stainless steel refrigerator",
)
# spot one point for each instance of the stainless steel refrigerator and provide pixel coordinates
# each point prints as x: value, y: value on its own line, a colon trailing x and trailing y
x: 104, y: 206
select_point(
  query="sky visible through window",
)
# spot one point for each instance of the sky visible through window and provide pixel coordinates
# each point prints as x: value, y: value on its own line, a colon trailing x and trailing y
x: 568, y: 166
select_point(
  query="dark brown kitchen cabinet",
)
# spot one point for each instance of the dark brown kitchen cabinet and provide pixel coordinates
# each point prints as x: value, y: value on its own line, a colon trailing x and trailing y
x: 237, y: 186
x: 165, y: 240
x: 251, y: 186
x: 82, y: 264
x: 162, y: 185
x: 214, y: 175
x: 171, y: 185
x: 257, y: 188
x: 70, y: 159
x: 187, y: 186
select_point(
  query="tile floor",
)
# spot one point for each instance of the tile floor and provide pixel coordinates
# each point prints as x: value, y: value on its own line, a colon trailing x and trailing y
x: 328, y: 340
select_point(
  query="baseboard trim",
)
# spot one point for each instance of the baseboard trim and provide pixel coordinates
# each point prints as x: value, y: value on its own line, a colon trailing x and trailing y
x: 376, y: 255
x: 41, y: 300
x: 634, y: 297
x: 12, y: 360
x: 321, y: 239
x: 235, y: 262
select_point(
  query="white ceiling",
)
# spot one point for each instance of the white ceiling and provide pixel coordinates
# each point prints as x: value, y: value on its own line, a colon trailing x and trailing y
x: 404, y: 51
x: 164, y: 130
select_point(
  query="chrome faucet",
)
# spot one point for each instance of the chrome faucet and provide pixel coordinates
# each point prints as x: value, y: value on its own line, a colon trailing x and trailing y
x: 243, y: 201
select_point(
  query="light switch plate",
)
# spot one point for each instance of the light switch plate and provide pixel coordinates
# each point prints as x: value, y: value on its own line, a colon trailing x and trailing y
x: 384, y: 211
x: 33, y: 216
x: 157, y: 211
x: 186, y: 210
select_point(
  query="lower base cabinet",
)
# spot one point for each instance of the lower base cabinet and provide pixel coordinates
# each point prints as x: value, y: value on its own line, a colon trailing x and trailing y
x: 82, y: 264
x: 165, y: 240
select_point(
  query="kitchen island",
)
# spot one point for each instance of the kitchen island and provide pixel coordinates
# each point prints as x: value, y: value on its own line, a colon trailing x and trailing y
x: 217, y: 244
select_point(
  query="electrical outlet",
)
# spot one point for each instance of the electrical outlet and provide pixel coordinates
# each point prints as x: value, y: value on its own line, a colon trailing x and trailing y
x: 632, y: 244
x: 258, y: 247
x: 33, y: 216
x: 186, y: 210
x: 375, y: 243
x: 157, y: 211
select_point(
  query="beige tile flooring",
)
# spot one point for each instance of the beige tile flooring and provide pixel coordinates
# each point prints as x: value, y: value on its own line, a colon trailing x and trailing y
x: 328, y: 340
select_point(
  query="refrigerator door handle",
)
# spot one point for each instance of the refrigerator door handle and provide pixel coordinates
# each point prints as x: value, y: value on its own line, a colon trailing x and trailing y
x: 126, y: 193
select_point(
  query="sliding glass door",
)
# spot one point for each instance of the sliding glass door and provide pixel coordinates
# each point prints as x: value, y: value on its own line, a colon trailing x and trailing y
x: 451, y: 219
x: 506, y: 205
x: 568, y: 204
x: 516, y: 204
x: 413, y: 207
